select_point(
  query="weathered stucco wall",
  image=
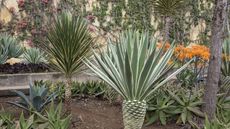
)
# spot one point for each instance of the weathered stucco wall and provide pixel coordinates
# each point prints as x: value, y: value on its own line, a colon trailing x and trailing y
x: 5, y: 15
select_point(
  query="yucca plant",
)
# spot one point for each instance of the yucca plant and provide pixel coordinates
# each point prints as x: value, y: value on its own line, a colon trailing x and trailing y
x: 168, y: 9
x: 135, y: 68
x: 69, y: 42
x: 34, y: 56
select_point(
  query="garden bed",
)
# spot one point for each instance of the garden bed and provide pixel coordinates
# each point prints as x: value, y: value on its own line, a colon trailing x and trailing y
x: 23, y: 68
x: 91, y: 113
x: 21, y: 81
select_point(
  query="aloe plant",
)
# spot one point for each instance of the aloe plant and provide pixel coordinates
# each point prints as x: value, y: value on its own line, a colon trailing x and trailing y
x: 34, y: 56
x: 14, y: 49
x: 3, y: 55
x: 69, y: 41
x: 53, y: 118
x: 25, y: 124
x: 188, y: 106
x: 6, y: 120
x: 160, y: 108
x: 135, y: 68
x: 36, y: 101
x: 215, y: 124
x: 223, y: 101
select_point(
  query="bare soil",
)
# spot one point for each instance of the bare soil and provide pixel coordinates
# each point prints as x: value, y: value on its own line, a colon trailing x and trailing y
x: 91, y: 113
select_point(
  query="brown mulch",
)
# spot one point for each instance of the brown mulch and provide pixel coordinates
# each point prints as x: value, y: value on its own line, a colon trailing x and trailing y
x: 90, y: 113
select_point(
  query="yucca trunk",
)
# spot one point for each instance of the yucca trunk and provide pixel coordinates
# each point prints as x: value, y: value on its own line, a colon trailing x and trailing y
x: 133, y: 114
x: 68, y: 94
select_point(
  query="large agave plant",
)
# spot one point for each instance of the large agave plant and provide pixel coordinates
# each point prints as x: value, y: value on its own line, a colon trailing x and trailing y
x: 69, y: 42
x: 135, y: 68
x: 36, y: 101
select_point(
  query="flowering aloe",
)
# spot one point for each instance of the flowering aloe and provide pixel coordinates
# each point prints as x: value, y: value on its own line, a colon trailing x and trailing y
x: 135, y: 68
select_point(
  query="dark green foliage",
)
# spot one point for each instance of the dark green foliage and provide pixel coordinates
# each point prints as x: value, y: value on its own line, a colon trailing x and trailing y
x: 181, y: 105
x: 69, y: 42
x: 187, y: 78
x: 187, y: 106
x: 160, y: 108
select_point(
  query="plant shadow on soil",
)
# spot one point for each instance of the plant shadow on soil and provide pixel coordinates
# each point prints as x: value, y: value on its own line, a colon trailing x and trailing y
x: 90, y: 113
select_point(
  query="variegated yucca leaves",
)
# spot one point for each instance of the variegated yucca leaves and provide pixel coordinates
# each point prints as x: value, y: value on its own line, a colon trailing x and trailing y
x: 168, y: 7
x: 225, y: 68
x: 69, y: 42
x: 134, y: 66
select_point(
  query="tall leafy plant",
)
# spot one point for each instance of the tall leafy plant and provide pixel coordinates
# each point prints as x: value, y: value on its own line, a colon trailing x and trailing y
x: 69, y: 42
x: 135, y: 68
x: 169, y: 9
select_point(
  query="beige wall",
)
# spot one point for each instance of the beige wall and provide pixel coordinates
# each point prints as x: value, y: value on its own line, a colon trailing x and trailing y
x: 5, y: 15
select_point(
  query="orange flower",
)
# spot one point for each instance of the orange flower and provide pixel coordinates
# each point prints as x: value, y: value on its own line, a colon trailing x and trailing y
x: 194, y: 50
x: 166, y: 47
